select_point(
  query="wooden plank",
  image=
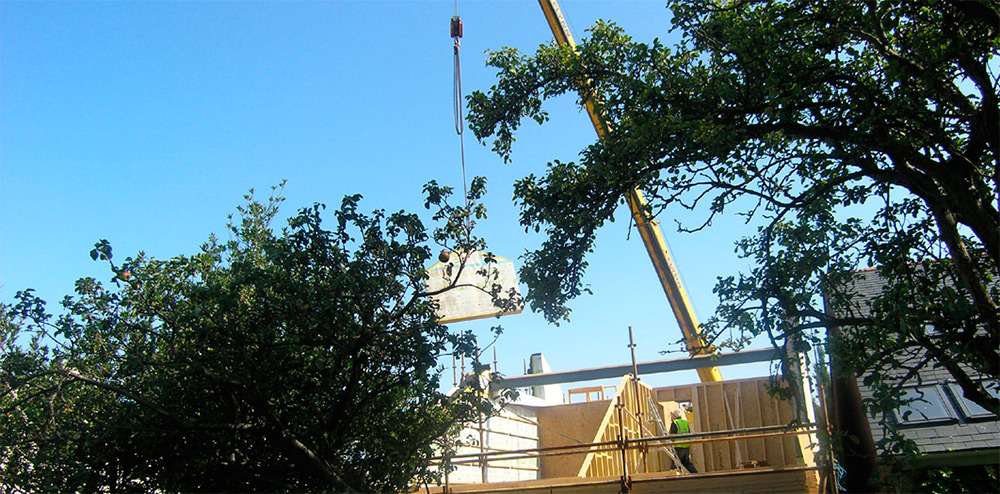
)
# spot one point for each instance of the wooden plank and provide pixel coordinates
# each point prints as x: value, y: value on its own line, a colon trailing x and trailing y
x: 750, y: 410
x: 721, y: 455
x: 665, y: 394
x: 702, y: 420
x: 731, y: 398
x: 764, y: 481
x: 790, y: 444
x: 684, y: 394
x: 650, y: 460
x: 773, y: 449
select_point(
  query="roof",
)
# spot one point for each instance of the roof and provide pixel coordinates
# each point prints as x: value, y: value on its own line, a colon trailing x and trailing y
x: 941, y: 420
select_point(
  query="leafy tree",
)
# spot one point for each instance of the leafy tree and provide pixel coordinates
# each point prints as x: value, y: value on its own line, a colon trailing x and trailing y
x: 848, y: 134
x: 304, y: 359
x: 950, y: 480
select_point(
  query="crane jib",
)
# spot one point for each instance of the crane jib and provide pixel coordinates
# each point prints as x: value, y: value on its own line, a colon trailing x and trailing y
x: 649, y: 231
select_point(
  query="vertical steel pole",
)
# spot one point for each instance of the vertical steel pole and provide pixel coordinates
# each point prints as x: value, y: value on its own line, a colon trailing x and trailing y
x: 482, y: 449
x: 623, y: 444
x: 635, y: 393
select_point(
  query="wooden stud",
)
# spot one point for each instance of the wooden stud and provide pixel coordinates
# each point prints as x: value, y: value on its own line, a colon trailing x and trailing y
x: 752, y: 418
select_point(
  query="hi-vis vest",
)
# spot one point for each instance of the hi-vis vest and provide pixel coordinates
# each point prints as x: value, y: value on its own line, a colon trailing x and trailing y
x: 682, y: 428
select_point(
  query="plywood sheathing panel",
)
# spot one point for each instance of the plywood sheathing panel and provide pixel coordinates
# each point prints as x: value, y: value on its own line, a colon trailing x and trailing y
x: 773, y: 446
x: 605, y: 463
x: 753, y: 449
x: 750, y: 405
x: 709, y: 416
x: 791, y: 445
x: 566, y: 425
x: 679, y: 393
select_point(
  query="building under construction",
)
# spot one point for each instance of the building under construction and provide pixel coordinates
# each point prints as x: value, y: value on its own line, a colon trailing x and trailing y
x: 615, y: 439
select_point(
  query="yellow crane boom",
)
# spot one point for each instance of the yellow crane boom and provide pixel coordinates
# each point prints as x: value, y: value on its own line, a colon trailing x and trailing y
x: 649, y: 229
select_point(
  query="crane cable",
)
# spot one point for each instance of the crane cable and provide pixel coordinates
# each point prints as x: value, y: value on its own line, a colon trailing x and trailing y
x: 456, y: 35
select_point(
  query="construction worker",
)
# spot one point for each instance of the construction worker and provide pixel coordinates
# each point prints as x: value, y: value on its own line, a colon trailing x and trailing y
x: 679, y: 425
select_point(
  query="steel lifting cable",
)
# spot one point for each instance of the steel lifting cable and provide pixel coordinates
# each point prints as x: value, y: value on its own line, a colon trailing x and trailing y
x: 456, y: 35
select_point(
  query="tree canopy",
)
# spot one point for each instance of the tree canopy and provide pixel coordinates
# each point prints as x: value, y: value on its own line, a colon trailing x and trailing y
x: 299, y: 360
x: 847, y: 134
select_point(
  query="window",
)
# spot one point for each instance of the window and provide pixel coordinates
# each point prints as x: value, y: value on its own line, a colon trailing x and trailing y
x: 970, y: 408
x: 923, y: 404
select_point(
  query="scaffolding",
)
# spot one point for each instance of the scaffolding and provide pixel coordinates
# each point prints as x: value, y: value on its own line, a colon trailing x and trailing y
x: 755, y: 441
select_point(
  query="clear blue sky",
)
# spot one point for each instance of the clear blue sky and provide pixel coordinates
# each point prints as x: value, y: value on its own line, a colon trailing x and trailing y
x: 145, y: 123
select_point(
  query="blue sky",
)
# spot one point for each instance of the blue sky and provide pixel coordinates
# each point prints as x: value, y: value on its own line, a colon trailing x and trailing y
x: 146, y: 122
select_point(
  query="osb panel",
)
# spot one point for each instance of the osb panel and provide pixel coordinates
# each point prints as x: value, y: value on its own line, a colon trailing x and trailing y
x: 718, y: 455
x: 666, y: 394
x: 773, y: 447
x: 739, y: 404
x: 750, y: 414
x: 566, y: 425
x: 786, y: 413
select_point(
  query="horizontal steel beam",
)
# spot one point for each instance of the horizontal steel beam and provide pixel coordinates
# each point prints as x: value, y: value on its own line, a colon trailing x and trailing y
x: 644, y: 368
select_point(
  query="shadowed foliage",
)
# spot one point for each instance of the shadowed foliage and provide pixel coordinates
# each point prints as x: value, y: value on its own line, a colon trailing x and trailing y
x: 298, y: 360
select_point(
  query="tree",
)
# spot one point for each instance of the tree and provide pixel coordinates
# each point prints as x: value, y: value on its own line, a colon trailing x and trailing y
x: 292, y: 361
x: 848, y: 134
x: 949, y: 480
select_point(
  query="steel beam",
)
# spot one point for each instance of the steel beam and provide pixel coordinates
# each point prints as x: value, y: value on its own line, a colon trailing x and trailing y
x: 644, y: 368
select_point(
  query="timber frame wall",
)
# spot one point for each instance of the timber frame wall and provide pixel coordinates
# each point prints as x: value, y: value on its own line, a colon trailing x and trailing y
x: 741, y: 437
x: 631, y: 416
x: 716, y: 407
x: 737, y: 405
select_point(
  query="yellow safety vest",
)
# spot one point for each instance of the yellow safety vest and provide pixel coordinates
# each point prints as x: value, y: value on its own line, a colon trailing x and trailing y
x: 682, y: 428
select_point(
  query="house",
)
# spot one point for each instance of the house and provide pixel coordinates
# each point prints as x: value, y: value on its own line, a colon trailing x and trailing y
x: 947, y: 428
